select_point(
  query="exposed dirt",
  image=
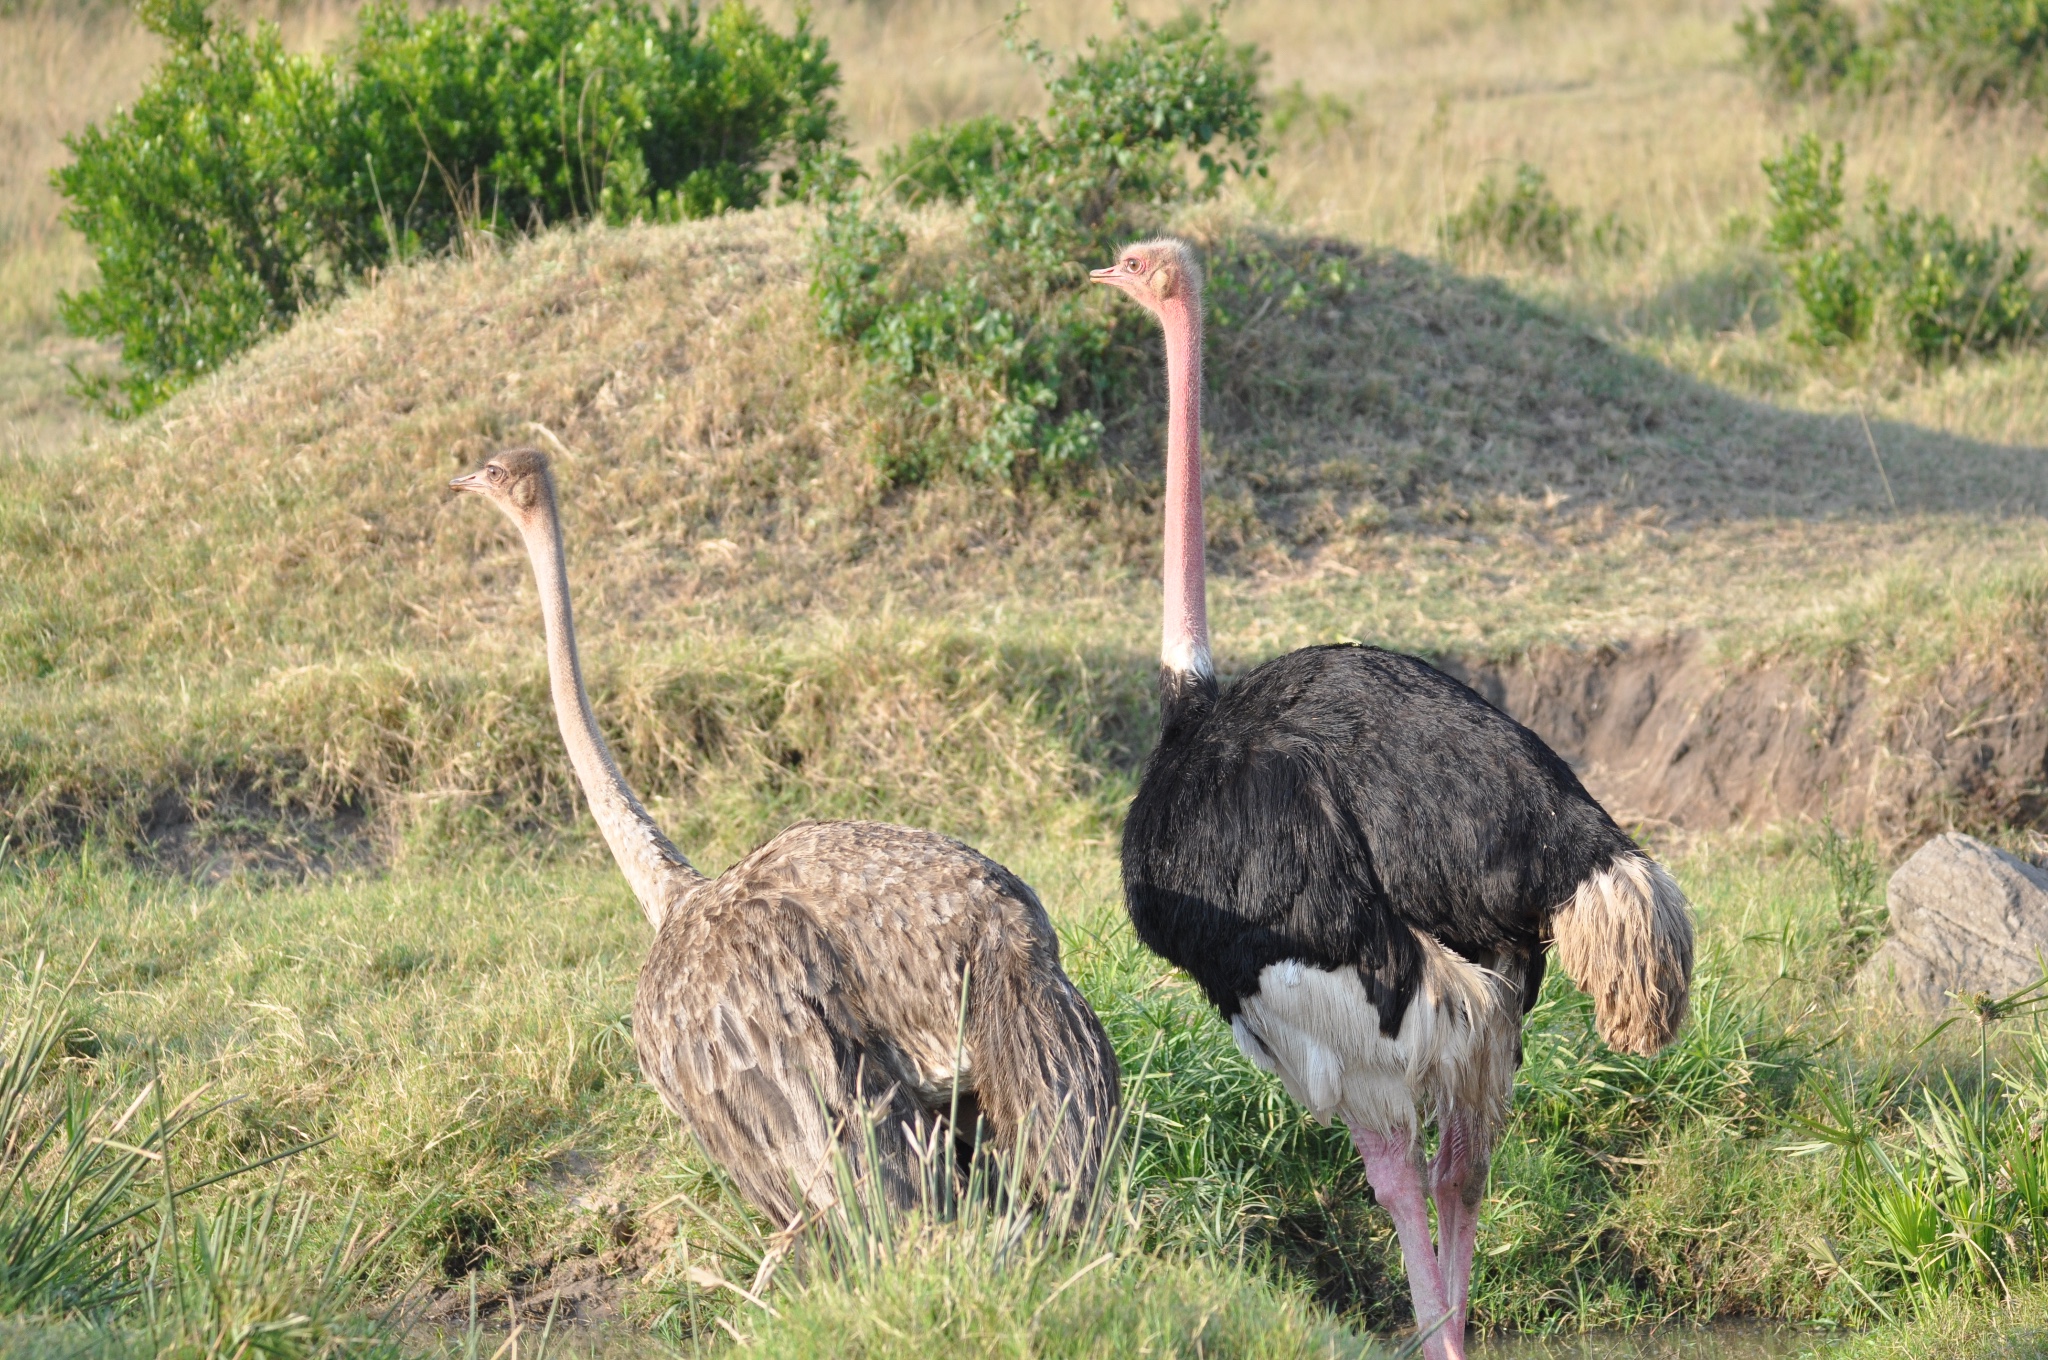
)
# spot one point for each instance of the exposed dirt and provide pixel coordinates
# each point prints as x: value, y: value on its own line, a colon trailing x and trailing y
x: 1664, y: 734
x: 580, y: 1281
x: 242, y: 834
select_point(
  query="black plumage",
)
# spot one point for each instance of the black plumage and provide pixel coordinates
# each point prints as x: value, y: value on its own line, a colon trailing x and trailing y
x: 1362, y: 863
x: 1333, y: 802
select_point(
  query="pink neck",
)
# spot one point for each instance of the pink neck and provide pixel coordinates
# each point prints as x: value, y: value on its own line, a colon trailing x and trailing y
x: 1184, y: 639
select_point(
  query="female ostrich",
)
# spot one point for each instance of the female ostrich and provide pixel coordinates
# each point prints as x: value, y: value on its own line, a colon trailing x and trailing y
x: 808, y: 1000
x: 1361, y: 862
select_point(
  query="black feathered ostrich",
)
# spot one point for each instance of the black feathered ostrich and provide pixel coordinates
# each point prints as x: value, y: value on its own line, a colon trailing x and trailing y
x: 1362, y: 862
x: 807, y: 1003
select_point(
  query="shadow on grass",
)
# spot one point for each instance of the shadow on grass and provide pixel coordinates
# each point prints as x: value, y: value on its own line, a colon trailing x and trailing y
x: 1424, y: 380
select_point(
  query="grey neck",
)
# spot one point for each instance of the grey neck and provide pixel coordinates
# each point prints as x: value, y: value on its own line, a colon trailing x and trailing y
x: 654, y: 868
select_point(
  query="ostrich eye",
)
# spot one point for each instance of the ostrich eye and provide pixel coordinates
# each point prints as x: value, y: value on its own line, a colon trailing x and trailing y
x: 495, y: 473
x: 1135, y: 265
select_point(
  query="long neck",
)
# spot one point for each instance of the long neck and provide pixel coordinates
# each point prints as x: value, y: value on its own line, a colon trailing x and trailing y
x: 1184, y: 637
x: 654, y: 867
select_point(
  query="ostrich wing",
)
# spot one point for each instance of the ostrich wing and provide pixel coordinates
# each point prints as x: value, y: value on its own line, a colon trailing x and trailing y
x: 913, y: 914
x: 745, y: 1024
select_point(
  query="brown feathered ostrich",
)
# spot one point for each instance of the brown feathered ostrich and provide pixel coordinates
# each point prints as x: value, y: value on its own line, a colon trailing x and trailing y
x: 1362, y: 863
x: 808, y: 1001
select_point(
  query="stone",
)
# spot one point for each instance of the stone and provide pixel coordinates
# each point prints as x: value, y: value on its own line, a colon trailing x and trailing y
x: 1965, y: 917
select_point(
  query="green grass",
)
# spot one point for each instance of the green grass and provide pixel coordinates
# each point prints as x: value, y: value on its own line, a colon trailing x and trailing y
x: 277, y: 770
x: 452, y: 1030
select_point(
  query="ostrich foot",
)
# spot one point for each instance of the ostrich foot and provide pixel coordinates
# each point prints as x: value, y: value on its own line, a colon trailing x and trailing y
x: 1393, y: 1167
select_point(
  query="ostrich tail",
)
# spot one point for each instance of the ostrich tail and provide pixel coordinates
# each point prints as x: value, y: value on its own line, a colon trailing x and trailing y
x: 1045, y: 1078
x: 1625, y: 938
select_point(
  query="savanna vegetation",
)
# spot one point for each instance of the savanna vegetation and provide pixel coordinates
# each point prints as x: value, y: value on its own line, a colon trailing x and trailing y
x: 1534, y: 331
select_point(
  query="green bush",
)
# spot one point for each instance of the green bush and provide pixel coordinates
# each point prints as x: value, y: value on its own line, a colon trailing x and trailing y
x: 943, y: 164
x: 1004, y: 365
x: 1912, y: 277
x: 1526, y: 221
x: 1800, y: 46
x: 206, y: 203
x: 541, y: 111
x: 246, y: 183
x: 1976, y: 51
x: 1973, y: 51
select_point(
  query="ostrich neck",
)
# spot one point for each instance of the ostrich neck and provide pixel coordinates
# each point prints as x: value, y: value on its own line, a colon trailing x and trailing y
x: 1184, y: 636
x: 652, y: 865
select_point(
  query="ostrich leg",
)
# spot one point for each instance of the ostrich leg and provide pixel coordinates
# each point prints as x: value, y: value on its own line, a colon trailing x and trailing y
x: 1393, y: 1167
x: 1457, y: 1179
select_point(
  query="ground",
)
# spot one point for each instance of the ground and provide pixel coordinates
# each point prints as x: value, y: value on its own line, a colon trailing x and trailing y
x: 277, y: 773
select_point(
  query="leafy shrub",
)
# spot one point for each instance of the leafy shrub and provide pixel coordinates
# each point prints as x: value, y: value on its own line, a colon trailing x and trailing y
x: 541, y: 111
x: 246, y: 183
x: 1003, y: 365
x: 1934, y: 289
x: 1949, y: 291
x: 1828, y: 275
x: 1530, y: 222
x: 1800, y: 46
x: 206, y: 203
x: 943, y: 164
x: 1974, y: 51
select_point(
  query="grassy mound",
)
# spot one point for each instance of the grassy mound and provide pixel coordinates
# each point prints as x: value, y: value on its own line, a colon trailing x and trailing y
x: 261, y: 603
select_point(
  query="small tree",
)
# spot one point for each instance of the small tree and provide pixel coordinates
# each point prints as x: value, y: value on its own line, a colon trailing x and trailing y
x: 1004, y: 367
x: 247, y: 184
x: 206, y: 204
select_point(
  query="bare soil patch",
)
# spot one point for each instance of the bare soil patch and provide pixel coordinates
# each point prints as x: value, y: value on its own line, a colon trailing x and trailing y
x: 1666, y: 735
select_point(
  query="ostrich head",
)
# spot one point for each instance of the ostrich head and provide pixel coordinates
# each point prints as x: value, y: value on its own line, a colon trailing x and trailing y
x: 1156, y: 273
x: 517, y: 482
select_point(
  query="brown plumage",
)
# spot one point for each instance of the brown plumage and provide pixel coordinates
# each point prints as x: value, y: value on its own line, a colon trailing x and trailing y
x: 804, y: 1007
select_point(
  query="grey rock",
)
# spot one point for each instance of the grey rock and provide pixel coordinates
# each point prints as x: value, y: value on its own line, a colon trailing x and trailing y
x: 1965, y: 917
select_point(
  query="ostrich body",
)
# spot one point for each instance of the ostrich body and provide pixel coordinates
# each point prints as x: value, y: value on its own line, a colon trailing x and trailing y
x: 807, y: 1004
x: 1362, y: 862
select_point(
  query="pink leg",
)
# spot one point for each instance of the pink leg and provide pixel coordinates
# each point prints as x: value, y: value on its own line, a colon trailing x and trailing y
x: 1393, y: 1167
x: 1457, y: 1179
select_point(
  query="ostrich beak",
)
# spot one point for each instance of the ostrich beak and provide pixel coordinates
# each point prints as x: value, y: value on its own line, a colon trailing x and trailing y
x: 468, y: 481
x: 1107, y: 276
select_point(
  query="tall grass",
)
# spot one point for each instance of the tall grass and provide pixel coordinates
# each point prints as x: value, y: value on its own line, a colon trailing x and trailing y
x: 984, y: 1271
x: 70, y: 1165
x: 91, y: 1235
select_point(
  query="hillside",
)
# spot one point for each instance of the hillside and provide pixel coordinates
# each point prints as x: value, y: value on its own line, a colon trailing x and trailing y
x: 264, y: 598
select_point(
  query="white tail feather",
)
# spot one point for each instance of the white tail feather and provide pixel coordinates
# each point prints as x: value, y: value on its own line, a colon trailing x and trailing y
x: 1626, y: 939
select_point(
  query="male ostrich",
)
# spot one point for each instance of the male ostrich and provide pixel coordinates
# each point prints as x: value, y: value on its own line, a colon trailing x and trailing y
x: 808, y: 1000
x: 1361, y: 862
